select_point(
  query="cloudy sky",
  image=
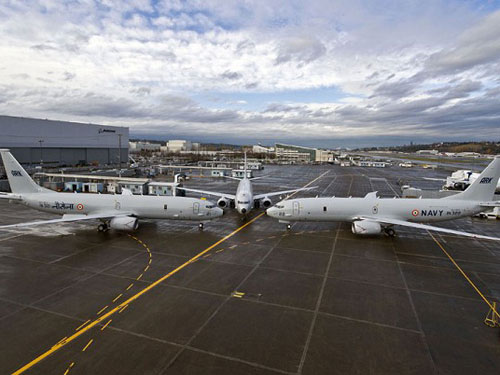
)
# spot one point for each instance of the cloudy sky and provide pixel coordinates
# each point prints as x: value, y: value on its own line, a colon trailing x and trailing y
x: 316, y: 72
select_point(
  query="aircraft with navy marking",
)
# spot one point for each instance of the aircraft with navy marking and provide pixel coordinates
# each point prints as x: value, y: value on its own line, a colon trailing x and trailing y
x: 244, y: 200
x: 373, y: 215
x: 115, y: 211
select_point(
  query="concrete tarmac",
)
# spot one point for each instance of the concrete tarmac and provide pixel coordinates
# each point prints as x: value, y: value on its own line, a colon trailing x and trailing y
x: 313, y: 300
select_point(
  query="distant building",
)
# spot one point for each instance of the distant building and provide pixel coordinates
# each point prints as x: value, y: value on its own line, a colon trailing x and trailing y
x: 295, y: 153
x: 303, y: 154
x: 143, y: 146
x: 55, y: 143
x: 468, y: 154
x: 178, y: 145
x: 427, y: 152
x: 325, y: 156
x: 258, y: 149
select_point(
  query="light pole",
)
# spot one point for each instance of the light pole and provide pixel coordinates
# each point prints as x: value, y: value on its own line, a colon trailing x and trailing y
x: 41, y: 149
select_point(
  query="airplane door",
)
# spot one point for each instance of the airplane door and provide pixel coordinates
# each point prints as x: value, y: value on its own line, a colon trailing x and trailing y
x: 196, y: 208
x: 296, y: 209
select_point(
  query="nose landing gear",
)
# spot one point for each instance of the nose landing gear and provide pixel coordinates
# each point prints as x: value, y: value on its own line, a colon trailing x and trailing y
x: 200, y: 226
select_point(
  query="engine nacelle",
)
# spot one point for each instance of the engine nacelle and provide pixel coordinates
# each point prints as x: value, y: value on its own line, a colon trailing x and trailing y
x: 266, y: 202
x: 365, y: 227
x: 126, y: 223
x: 223, y: 202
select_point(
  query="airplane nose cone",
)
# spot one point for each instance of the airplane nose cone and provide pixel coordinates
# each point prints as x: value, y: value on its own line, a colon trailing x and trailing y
x: 271, y: 211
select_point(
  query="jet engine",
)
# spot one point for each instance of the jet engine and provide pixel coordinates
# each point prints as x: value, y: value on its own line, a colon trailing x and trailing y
x: 365, y: 227
x: 223, y: 202
x: 266, y: 202
x: 126, y: 223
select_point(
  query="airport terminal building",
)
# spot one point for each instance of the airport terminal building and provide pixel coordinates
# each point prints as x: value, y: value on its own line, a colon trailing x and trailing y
x: 57, y: 143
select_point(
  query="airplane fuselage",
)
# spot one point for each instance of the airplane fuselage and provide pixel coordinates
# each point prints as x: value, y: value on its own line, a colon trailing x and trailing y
x: 244, y: 196
x: 141, y: 206
x: 349, y: 209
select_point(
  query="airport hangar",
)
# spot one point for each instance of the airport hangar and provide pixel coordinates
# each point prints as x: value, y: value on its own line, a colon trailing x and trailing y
x: 57, y: 143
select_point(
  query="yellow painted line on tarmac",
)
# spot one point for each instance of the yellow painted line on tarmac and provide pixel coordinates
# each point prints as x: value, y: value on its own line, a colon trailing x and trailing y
x: 238, y: 294
x: 218, y: 251
x: 117, y: 297
x: 123, y: 308
x: 145, y: 269
x: 69, y: 368
x: 139, y: 294
x: 130, y: 300
x: 465, y: 275
x: 206, y: 256
x: 101, y: 310
x: 139, y: 277
x: 88, y: 344
x: 64, y: 338
x: 232, y: 247
x: 130, y: 286
x: 82, y: 325
x: 104, y: 326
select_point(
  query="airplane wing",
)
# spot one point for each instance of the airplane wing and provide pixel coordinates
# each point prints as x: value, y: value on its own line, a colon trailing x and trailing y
x: 222, y: 195
x: 66, y: 219
x: 490, y: 204
x: 260, y: 196
x: 426, y: 227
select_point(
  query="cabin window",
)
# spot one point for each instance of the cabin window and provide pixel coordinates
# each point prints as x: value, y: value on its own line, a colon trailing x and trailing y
x: 324, y: 208
x: 164, y: 206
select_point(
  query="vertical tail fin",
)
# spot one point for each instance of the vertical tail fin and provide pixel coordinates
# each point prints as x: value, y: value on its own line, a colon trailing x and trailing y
x: 484, y: 187
x: 245, y: 167
x: 19, y: 180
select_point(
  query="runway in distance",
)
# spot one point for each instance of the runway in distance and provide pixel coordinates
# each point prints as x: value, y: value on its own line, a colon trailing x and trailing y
x: 115, y: 211
x: 244, y: 199
x: 373, y: 215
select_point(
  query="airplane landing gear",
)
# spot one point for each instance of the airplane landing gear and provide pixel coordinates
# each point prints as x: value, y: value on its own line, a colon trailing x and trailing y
x: 102, y: 228
x: 200, y: 226
x: 288, y: 226
x: 390, y: 232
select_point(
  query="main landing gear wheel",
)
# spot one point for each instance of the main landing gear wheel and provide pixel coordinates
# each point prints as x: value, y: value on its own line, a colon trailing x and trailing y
x: 288, y: 226
x: 390, y: 232
x: 102, y: 228
x: 200, y: 226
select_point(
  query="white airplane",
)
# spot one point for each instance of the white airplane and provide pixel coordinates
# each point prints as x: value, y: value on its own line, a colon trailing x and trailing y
x: 372, y: 215
x: 245, y: 200
x: 120, y: 211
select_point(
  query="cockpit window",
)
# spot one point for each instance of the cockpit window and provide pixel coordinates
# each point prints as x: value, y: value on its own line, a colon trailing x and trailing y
x: 280, y: 206
x: 210, y: 206
x: 243, y: 202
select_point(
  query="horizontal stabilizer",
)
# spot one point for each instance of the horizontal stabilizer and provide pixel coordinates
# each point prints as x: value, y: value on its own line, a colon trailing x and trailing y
x: 10, y: 196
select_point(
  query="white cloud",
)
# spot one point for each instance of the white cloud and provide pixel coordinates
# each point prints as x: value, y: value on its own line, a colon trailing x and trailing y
x: 138, y: 63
